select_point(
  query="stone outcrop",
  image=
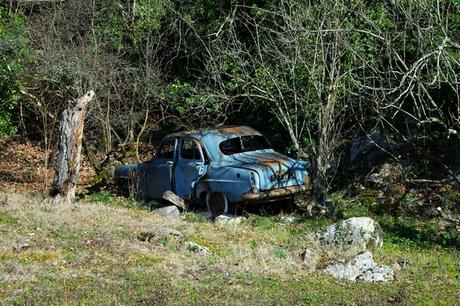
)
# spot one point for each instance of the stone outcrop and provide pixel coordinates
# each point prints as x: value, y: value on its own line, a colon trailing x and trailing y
x: 361, y: 268
x: 342, y: 250
x: 348, y: 238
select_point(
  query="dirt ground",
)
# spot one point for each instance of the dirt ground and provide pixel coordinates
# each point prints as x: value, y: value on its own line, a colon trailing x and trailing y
x: 27, y: 167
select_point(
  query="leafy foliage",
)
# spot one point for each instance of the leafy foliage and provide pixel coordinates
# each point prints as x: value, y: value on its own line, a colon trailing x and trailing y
x: 13, y: 55
x: 310, y: 75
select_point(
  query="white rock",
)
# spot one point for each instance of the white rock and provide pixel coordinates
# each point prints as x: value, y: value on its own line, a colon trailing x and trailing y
x: 198, y: 249
x: 362, y: 268
x: 170, y: 212
x: 22, y: 244
x: 348, y: 238
x: 289, y: 219
x: 354, y: 268
x: 378, y: 274
x: 228, y: 220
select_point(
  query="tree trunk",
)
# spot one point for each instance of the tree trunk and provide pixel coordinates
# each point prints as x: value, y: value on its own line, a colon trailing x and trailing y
x: 68, y: 160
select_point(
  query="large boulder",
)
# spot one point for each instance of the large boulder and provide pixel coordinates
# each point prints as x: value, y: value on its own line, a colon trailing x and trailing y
x: 342, y: 250
x: 348, y: 238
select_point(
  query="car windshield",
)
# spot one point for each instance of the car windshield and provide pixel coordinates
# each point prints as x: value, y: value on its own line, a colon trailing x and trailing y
x: 244, y: 144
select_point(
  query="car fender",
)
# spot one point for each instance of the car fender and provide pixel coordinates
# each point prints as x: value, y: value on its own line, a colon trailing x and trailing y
x: 230, y: 180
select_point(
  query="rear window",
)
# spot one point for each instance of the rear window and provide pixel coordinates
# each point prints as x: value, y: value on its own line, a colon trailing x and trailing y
x: 244, y: 144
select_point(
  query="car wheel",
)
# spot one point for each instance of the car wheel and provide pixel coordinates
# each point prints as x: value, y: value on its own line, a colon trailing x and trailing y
x: 217, y: 203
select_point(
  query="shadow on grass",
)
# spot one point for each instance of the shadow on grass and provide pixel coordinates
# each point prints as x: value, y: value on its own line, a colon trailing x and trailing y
x: 423, y: 234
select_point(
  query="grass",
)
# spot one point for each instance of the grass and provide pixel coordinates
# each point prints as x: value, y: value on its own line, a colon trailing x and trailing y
x: 88, y: 253
x: 5, y: 218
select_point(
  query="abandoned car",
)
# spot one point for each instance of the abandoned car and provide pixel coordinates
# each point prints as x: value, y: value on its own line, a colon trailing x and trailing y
x: 218, y: 167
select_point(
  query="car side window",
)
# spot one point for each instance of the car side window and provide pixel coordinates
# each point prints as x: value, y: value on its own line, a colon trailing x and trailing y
x: 167, y: 148
x: 190, y: 150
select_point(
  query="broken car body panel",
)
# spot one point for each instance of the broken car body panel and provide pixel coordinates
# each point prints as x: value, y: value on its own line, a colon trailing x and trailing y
x: 237, y: 162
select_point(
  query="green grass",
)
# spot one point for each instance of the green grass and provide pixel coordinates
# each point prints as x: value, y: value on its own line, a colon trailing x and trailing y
x: 88, y: 253
x: 5, y: 218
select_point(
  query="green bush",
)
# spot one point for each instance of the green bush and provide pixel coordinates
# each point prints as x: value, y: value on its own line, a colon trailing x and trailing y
x: 13, y: 54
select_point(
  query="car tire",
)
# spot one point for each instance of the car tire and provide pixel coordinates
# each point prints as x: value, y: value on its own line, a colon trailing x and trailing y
x: 217, y: 203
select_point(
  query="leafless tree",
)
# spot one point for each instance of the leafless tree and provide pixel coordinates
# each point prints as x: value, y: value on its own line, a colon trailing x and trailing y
x: 326, y: 67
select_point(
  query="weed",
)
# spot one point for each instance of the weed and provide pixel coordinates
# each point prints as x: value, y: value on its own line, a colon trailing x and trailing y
x: 106, y: 197
x: 5, y: 218
x: 280, y: 253
x: 211, y: 245
x: 262, y: 222
x: 146, y: 259
x: 194, y: 217
x: 37, y: 256
x: 6, y: 255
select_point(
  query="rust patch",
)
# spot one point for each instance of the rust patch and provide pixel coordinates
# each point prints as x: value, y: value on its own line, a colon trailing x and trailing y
x: 271, y: 162
x: 274, y: 193
x: 225, y: 131
x: 236, y: 130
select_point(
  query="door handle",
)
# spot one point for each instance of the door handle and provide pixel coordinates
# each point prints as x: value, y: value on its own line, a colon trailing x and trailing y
x: 169, y: 163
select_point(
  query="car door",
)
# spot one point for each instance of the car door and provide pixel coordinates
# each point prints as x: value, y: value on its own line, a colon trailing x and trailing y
x: 189, y: 167
x: 158, y: 172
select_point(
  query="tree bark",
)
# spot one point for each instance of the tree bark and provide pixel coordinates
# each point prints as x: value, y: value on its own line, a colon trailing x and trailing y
x: 68, y: 159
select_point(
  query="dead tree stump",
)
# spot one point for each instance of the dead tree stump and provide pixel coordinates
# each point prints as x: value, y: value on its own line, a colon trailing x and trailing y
x: 69, y: 149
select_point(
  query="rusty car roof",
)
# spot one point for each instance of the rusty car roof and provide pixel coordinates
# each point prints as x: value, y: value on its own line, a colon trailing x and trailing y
x: 225, y: 131
x: 211, y: 137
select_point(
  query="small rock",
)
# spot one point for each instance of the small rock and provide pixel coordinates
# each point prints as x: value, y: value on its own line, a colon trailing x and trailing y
x: 159, y: 233
x: 310, y: 258
x: 228, y: 220
x: 289, y: 219
x: 348, y: 238
x: 170, y: 212
x: 21, y: 244
x: 387, y: 175
x: 197, y: 249
x: 403, y: 262
x: 362, y: 268
x: 396, y: 266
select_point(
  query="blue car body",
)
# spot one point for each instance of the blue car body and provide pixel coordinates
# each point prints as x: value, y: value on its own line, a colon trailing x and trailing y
x: 219, y: 167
